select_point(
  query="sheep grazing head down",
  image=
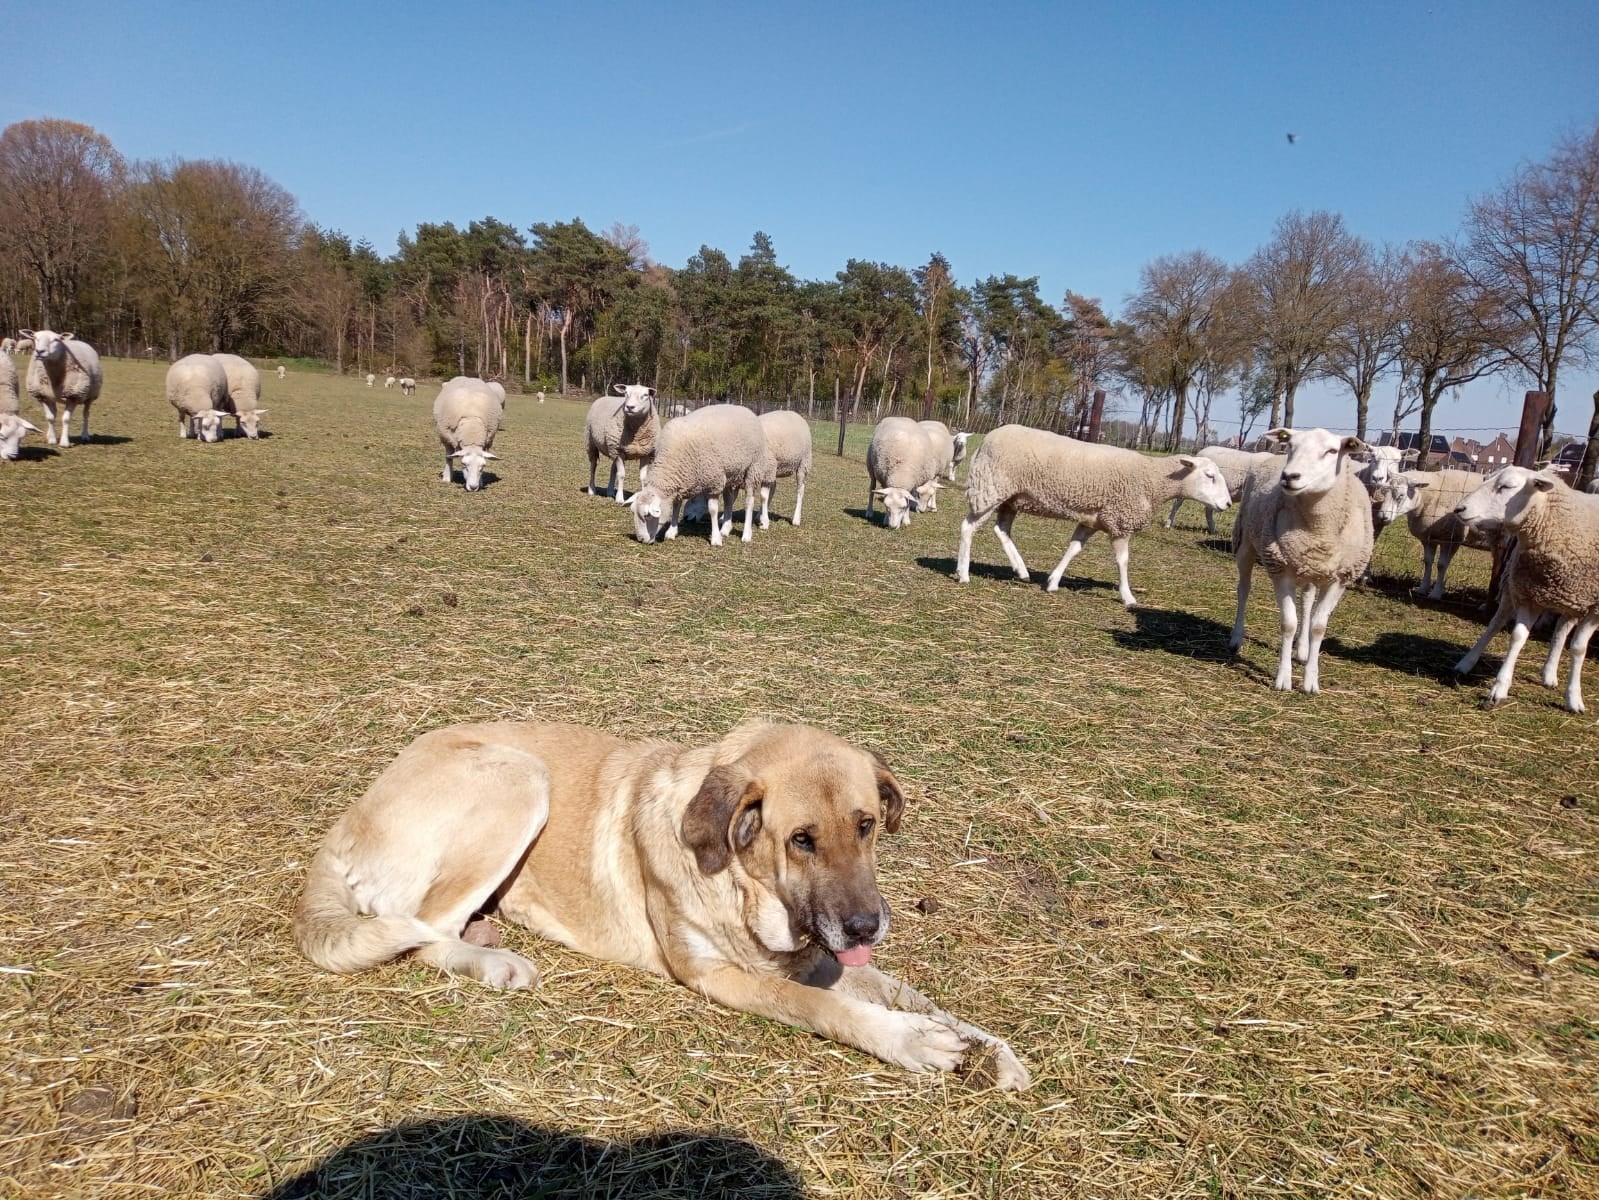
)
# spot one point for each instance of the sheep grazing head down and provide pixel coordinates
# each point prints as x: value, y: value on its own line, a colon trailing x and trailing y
x: 897, y: 504
x: 1503, y: 499
x: 649, y: 514
x: 12, y: 427
x: 250, y: 422
x: 472, y: 459
x: 637, y: 399
x: 1203, y: 482
x: 208, y: 425
x: 1314, y: 459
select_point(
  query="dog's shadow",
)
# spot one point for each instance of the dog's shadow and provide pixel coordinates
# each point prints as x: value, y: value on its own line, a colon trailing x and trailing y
x: 486, y: 1155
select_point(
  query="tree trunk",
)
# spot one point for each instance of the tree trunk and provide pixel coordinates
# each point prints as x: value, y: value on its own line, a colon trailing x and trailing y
x: 810, y: 399
x: 566, y: 323
x: 1590, y: 456
x: 527, y: 352
x: 1430, y: 392
x: 1546, y: 435
x: 1362, y: 404
x: 855, y: 401
x: 1289, y: 388
x: 1179, y: 414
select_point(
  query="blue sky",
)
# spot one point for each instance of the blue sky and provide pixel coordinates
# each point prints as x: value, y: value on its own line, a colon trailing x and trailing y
x: 1075, y: 142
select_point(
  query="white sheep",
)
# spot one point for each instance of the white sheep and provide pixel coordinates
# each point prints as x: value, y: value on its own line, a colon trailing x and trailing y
x: 951, y: 447
x: 10, y: 398
x: 282, y: 372
x: 902, y: 465
x: 197, y: 386
x: 408, y: 385
x: 1018, y: 469
x: 498, y: 389
x: 1395, y: 497
x: 1309, y: 525
x: 1433, y: 522
x: 1235, y: 467
x: 244, y: 394
x: 64, y: 375
x: 370, y: 379
x: 619, y: 428
x: 388, y: 381
x: 8, y: 345
x: 788, y: 437
x: 1553, y: 568
x: 12, y: 423
x: 541, y: 397
x: 712, y: 452
x: 467, y: 415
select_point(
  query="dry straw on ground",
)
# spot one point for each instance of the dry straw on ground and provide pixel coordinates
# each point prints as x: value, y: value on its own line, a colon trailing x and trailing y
x: 1250, y: 944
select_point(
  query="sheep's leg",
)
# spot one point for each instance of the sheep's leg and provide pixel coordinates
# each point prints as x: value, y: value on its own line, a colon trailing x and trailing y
x: 676, y: 519
x: 1445, y: 555
x: 1080, y: 535
x: 1307, y: 602
x: 66, y: 425
x: 1427, y: 551
x: 713, y: 504
x: 749, y: 511
x: 83, y: 434
x: 1120, y: 548
x: 185, y: 426
x: 729, y: 499
x: 1317, y: 619
x: 1210, y: 520
x: 611, y: 486
x: 766, y: 507
x: 1246, y: 571
x: 446, y: 475
x: 1495, y: 624
x: 871, y: 495
x: 49, y: 422
x: 1507, y: 669
x: 1171, y: 517
x: 1002, y: 524
x: 963, y: 556
x: 799, y: 498
x: 1288, y: 625
x: 594, y: 464
x: 1579, y: 654
x: 1557, y: 643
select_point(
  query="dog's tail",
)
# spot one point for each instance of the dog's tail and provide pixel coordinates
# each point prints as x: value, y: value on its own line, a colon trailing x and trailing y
x: 336, y: 937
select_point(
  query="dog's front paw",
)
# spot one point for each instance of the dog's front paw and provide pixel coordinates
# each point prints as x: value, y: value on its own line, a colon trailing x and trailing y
x: 504, y: 970
x: 923, y: 1044
x: 992, y: 1064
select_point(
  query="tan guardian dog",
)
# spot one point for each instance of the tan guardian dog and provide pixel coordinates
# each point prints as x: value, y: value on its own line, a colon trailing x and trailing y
x: 744, y: 869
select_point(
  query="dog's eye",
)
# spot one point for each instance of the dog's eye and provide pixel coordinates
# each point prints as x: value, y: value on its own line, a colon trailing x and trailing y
x: 803, y: 841
x: 867, y: 825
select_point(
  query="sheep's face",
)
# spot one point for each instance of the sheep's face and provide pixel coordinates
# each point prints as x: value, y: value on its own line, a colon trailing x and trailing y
x: 250, y: 422
x: 925, y: 498
x: 1503, y: 500
x: 48, y: 346
x: 649, y: 514
x: 472, y: 459
x: 1395, y: 498
x: 12, y: 427
x: 636, y: 398
x: 960, y: 448
x: 1203, y: 482
x: 1314, y: 458
x: 896, y: 506
x: 208, y: 425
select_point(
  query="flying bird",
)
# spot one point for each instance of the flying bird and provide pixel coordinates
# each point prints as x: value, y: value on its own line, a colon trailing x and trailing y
x: 1292, y: 138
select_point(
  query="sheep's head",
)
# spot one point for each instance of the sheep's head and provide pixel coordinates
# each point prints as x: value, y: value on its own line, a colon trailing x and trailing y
x: 48, y: 345
x: 637, y: 399
x: 12, y: 427
x: 1396, y: 497
x: 649, y: 513
x: 1202, y: 481
x: 925, y: 497
x: 472, y: 459
x: 250, y: 422
x: 897, y: 504
x: 208, y: 425
x: 960, y: 448
x: 1314, y: 459
x: 1503, y: 500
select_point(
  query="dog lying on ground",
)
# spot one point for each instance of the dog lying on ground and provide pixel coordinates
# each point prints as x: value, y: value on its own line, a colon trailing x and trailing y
x: 745, y: 869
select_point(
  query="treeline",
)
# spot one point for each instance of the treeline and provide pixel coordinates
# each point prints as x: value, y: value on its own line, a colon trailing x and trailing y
x: 163, y: 258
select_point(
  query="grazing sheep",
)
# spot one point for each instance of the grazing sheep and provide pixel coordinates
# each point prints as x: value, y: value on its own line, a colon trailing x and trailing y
x: 64, y: 374
x: 12, y: 428
x: 370, y: 379
x: 408, y: 385
x: 1436, y: 526
x: 788, y: 436
x: 1022, y: 470
x: 282, y: 372
x: 467, y: 415
x: 1235, y: 467
x: 618, y: 428
x: 677, y: 410
x: 197, y: 386
x: 1309, y: 525
x: 903, y: 464
x: 244, y: 394
x: 498, y: 389
x: 951, y: 447
x: 10, y: 398
x: 1553, y: 568
x: 388, y: 382
x: 541, y: 397
x: 712, y: 452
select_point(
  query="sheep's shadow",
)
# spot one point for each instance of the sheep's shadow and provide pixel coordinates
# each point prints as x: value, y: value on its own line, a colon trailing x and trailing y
x: 261, y: 435
x: 484, y: 1155
x: 1408, y: 653
x: 1222, y: 545
x: 1176, y: 632
x: 860, y: 515
x: 99, y: 439
x: 457, y: 480
x: 984, y: 570
x: 36, y: 454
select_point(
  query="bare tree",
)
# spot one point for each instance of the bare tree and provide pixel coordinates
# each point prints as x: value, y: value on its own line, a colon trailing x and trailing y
x: 1366, y: 342
x: 933, y: 284
x: 1533, y: 247
x: 1175, y: 315
x: 1299, y: 297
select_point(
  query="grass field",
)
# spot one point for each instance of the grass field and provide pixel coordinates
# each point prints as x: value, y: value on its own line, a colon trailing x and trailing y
x: 1250, y: 944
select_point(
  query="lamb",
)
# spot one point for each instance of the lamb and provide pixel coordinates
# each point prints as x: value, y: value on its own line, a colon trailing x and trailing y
x: 622, y: 427
x: 712, y: 452
x: 1310, y: 527
x: 197, y: 386
x: 1554, y: 567
x: 1437, y: 528
x: 951, y: 447
x: 388, y: 381
x: 1022, y: 470
x: 282, y: 372
x: 408, y: 385
x: 244, y: 394
x: 64, y: 374
x: 788, y: 436
x: 903, y: 464
x: 467, y: 414
x: 370, y: 379
x: 1235, y: 467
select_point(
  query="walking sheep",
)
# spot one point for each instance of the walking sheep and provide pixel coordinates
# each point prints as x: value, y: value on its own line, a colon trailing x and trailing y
x: 467, y: 415
x: 64, y: 374
x: 618, y: 428
x: 712, y: 452
x: 1437, y: 527
x: 1022, y: 470
x: 244, y: 394
x: 388, y: 381
x: 1309, y: 525
x: 788, y: 437
x: 1553, y: 568
x: 197, y: 387
x: 951, y: 446
x: 902, y: 464
x: 1235, y: 467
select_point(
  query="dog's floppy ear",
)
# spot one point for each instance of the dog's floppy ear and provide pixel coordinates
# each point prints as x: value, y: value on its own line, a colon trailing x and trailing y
x: 888, y: 791
x: 725, y: 815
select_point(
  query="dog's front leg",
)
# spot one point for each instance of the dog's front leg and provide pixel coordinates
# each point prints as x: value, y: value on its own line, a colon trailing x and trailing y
x: 996, y: 1065
x: 907, y: 1039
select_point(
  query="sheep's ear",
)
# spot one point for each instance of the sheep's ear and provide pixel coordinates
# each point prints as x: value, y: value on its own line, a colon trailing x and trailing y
x: 1543, y: 482
x: 725, y: 815
x: 619, y: 389
x: 67, y: 337
x: 490, y: 454
x: 1353, y: 445
x: 27, y: 333
x: 879, y: 491
x: 260, y: 412
x: 454, y: 454
x: 1282, y: 433
x: 888, y: 791
x: 1419, y: 483
x: 1189, y: 460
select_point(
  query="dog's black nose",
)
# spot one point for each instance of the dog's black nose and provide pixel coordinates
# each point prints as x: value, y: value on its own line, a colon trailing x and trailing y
x: 862, y: 924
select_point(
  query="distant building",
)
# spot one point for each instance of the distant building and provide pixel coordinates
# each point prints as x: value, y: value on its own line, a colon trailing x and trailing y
x: 1500, y: 452
x: 1464, y: 453
x: 1438, y: 444
x: 1569, y: 458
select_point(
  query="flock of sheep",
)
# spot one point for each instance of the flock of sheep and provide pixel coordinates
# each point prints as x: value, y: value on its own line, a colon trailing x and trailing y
x: 1308, y: 516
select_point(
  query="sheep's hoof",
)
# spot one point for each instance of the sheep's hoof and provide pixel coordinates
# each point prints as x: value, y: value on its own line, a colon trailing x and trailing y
x: 1052, y: 586
x: 1491, y: 701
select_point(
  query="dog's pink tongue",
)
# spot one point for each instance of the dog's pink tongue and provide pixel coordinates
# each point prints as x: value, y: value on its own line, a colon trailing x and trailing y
x: 856, y: 956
